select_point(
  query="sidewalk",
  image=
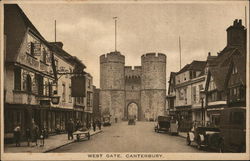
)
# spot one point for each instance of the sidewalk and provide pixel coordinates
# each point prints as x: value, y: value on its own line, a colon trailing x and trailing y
x: 53, y: 142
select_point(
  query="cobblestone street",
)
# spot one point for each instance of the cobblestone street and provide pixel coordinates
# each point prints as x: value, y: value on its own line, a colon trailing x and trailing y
x: 122, y: 137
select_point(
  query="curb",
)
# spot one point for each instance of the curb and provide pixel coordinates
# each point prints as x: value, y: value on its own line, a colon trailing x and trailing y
x: 49, y: 150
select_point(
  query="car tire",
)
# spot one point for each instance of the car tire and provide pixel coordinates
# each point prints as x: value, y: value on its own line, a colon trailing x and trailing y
x: 188, y: 141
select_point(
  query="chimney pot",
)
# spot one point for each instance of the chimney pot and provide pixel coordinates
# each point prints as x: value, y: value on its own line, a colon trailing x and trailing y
x: 240, y: 22
x: 235, y: 22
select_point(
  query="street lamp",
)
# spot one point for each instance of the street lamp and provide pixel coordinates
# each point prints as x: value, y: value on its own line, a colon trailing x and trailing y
x: 202, y: 97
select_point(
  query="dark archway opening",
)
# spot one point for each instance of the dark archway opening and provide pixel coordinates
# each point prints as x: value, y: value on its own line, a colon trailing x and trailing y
x: 133, y: 111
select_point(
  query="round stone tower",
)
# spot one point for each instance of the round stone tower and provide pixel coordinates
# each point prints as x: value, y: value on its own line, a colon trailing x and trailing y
x: 112, y: 85
x: 153, y: 85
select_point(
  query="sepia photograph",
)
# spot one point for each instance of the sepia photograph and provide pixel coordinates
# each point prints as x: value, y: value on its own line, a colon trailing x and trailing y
x: 124, y: 80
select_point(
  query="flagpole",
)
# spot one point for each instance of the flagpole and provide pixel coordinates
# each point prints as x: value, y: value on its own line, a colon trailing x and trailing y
x: 180, y: 50
x: 115, y: 18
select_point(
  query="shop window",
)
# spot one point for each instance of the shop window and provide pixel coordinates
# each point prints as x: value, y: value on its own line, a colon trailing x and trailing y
x: 17, y: 78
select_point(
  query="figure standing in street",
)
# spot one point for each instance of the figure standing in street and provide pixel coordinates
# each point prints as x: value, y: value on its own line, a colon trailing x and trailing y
x: 70, y: 129
x: 78, y: 124
x: 42, y: 135
x: 17, y: 135
x: 35, y: 133
x: 99, y: 124
x: 28, y: 136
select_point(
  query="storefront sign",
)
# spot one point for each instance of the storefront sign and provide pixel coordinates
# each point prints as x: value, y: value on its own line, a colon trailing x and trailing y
x: 78, y: 86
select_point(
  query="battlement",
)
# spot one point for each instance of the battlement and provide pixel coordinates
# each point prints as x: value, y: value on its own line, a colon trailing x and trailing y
x: 116, y: 57
x: 132, y: 72
x: 160, y: 57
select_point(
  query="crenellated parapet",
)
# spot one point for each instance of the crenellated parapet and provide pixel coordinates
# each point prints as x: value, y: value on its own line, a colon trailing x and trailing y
x: 155, y: 57
x: 115, y: 57
x: 131, y: 72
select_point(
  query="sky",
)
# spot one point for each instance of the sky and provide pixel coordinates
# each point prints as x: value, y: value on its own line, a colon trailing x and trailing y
x: 87, y: 29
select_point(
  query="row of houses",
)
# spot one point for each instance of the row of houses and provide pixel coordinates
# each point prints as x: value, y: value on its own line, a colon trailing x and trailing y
x: 42, y: 82
x: 202, y: 89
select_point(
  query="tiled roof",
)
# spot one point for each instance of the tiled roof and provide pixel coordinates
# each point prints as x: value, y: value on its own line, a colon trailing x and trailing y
x: 16, y: 24
x: 195, y: 65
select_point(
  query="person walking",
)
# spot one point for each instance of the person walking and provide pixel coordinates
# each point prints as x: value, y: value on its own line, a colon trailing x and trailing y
x: 28, y: 136
x: 70, y: 129
x: 17, y: 135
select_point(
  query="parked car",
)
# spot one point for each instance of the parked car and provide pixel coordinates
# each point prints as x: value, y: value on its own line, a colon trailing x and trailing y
x: 233, y: 129
x: 163, y: 124
x: 204, y: 137
x: 131, y: 122
x: 106, y: 121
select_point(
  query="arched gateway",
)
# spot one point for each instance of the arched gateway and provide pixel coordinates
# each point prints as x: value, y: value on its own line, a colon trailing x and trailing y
x: 133, y: 111
x: 138, y: 90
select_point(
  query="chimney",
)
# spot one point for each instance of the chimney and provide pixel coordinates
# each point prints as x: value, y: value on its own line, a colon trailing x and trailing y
x: 235, y: 22
x: 240, y: 22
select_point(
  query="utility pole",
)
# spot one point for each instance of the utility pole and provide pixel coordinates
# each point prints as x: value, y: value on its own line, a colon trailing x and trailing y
x: 180, y: 50
x: 115, y: 18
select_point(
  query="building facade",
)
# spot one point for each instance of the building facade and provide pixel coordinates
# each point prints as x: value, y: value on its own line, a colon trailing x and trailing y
x: 188, y: 84
x: 37, y: 78
x: 142, y: 87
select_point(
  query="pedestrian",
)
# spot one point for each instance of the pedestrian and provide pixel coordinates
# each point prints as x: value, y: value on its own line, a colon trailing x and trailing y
x: 70, y: 129
x: 17, y: 135
x: 78, y: 124
x: 28, y: 136
x: 42, y: 136
x: 99, y: 124
x: 35, y: 134
x: 94, y: 125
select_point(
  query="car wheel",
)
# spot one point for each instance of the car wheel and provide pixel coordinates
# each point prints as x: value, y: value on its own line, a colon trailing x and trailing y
x: 188, y: 141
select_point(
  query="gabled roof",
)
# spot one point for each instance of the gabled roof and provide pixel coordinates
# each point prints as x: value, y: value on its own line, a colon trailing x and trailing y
x: 222, y: 69
x: 59, y: 51
x: 172, y: 77
x: 238, y: 60
x: 195, y: 65
x: 16, y: 24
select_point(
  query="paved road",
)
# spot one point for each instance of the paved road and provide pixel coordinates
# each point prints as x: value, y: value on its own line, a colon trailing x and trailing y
x: 130, y: 138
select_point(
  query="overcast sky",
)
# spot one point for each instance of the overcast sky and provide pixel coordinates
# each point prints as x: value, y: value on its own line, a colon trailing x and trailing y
x: 87, y: 29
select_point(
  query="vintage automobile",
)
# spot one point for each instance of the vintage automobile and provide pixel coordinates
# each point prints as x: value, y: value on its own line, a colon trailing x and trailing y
x: 131, y: 121
x: 233, y: 130
x: 163, y: 124
x: 204, y: 137
x: 106, y: 121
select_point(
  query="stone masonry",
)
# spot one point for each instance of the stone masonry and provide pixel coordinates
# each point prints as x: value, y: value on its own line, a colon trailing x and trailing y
x: 143, y: 85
